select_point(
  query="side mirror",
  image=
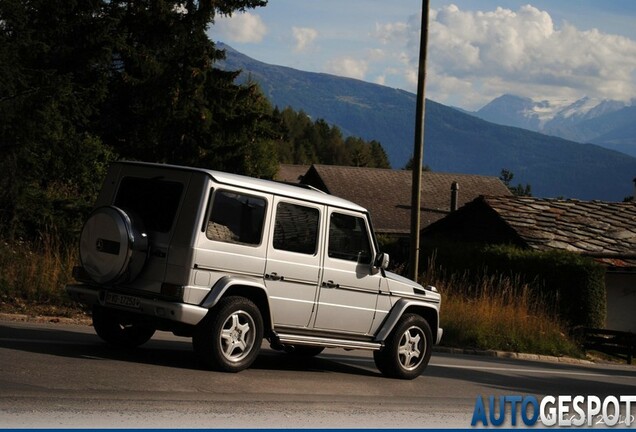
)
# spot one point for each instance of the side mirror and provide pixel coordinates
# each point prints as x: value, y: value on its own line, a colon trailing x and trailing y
x: 381, y: 261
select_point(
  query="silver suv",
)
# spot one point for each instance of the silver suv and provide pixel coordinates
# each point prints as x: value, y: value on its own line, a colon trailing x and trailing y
x: 230, y: 260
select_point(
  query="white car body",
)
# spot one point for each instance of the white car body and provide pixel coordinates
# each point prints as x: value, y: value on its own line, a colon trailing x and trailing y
x: 167, y: 244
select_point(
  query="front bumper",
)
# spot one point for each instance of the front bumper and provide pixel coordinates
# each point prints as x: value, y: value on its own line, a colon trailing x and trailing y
x: 174, y: 311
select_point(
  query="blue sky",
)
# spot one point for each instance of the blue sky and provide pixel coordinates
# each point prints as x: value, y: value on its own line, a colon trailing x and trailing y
x: 478, y: 49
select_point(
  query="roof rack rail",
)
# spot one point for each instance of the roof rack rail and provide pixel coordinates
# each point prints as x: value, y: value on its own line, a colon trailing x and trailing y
x: 302, y: 185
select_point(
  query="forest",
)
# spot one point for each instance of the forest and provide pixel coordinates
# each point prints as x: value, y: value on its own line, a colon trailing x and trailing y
x: 86, y: 82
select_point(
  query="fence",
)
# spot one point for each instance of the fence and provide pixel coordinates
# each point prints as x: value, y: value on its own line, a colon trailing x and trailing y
x: 615, y: 343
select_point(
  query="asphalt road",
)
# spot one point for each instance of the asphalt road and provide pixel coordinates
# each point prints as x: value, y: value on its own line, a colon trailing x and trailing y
x: 56, y: 375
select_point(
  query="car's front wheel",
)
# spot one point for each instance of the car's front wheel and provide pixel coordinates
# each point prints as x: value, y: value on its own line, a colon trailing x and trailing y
x: 230, y: 336
x: 407, y: 350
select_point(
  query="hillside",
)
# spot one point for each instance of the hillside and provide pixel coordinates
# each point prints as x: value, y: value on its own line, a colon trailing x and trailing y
x: 454, y: 141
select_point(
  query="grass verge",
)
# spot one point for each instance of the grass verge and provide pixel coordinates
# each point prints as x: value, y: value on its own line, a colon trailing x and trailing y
x: 33, y: 277
x: 498, y: 313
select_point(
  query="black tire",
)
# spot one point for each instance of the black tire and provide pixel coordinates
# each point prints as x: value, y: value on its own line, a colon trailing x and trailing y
x: 306, y: 350
x: 115, y: 329
x: 407, y: 350
x: 229, y: 338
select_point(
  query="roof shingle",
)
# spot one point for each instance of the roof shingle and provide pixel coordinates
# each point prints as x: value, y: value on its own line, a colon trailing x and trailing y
x: 386, y: 193
x: 593, y: 228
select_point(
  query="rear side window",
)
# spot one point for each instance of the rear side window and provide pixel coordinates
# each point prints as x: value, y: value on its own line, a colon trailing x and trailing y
x: 348, y: 239
x: 236, y: 218
x: 296, y: 228
x: 155, y: 201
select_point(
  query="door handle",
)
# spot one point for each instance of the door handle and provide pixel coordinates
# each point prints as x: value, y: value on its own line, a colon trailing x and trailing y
x: 274, y: 276
x: 330, y: 284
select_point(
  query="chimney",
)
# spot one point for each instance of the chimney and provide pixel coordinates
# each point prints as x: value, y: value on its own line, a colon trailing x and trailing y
x: 455, y: 195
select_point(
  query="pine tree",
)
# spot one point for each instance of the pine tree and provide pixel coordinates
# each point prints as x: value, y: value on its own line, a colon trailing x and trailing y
x: 54, y: 55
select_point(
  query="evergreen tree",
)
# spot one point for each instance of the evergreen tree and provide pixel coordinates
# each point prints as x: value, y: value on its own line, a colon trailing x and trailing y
x: 506, y: 177
x: 85, y: 81
x: 54, y: 55
x: 169, y: 103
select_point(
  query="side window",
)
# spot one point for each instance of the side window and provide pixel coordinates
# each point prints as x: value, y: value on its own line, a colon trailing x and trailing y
x: 348, y: 239
x: 296, y: 228
x: 236, y: 218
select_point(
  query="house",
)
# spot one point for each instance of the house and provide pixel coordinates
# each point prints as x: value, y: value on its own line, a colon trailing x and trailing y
x: 290, y: 173
x: 605, y: 231
x: 386, y: 193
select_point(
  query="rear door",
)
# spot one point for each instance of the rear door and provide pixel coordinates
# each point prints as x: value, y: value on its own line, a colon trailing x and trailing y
x: 154, y: 197
x: 293, y: 267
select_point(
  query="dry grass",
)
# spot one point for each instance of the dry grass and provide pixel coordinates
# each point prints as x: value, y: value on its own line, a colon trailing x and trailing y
x: 498, y: 313
x: 32, y: 277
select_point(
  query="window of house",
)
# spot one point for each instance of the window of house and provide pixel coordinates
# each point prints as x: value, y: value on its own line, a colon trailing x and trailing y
x: 236, y: 218
x: 348, y: 239
x: 296, y: 228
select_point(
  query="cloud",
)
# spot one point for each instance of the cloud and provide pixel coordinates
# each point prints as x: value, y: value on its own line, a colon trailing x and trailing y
x: 348, y: 67
x: 241, y: 27
x: 483, y: 54
x: 303, y: 37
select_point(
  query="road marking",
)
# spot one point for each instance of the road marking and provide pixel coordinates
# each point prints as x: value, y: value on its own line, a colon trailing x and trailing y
x: 541, y: 371
x: 487, y: 368
x: 45, y: 341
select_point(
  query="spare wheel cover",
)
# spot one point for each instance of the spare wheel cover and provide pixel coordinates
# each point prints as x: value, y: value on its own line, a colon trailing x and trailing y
x: 113, y: 246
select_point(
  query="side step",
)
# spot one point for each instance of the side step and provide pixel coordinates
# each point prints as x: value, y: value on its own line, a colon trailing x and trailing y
x: 289, y: 339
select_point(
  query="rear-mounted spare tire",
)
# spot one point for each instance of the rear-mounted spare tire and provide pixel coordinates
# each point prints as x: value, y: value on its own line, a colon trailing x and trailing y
x: 113, y: 246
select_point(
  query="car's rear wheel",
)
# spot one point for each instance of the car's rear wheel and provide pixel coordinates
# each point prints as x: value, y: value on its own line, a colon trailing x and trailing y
x: 114, y: 328
x: 229, y: 338
x: 407, y: 350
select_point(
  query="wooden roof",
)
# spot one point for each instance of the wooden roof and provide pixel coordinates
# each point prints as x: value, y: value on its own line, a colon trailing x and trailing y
x: 603, y: 230
x: 386, y: 193
x: 290, y: 173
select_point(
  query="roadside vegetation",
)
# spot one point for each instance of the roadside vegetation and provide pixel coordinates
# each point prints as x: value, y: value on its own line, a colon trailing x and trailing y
x: 32, y: 279
x: 490, y: 312
x: 486, y: 313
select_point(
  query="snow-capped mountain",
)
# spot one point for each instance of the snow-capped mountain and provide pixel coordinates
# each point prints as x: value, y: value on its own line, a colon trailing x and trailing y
x: 599, y: 121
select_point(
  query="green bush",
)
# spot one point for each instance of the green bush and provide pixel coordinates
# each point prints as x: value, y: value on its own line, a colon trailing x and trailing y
x: 574, y: 285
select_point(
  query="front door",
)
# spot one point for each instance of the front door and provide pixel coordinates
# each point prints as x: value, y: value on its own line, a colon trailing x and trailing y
x: 349, y: 289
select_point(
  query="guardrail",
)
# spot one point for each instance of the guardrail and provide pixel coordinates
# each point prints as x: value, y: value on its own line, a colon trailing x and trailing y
x: 615, y: 343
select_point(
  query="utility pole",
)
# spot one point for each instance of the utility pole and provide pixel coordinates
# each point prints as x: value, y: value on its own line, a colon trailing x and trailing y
x: 418, y: 146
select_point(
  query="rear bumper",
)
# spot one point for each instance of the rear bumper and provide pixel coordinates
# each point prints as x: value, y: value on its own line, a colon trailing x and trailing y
x: 179, y: 312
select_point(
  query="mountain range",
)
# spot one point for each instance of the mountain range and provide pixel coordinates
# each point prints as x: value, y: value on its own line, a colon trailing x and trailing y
x: 455, y: 141
x: 608, y: 123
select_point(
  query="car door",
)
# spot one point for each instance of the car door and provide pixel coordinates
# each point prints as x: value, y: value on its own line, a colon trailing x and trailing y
x: 293, y: 266
x: 349, y: 289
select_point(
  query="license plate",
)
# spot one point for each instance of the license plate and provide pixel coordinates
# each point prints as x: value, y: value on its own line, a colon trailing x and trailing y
x: 123, y: 300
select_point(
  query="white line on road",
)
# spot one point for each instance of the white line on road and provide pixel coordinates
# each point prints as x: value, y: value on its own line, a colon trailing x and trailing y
x: 487, y: 368
x: 45, y: 341
x: 536, y: 371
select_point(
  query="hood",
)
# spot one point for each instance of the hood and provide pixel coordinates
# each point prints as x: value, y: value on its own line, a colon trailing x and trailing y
x: 401, y: 285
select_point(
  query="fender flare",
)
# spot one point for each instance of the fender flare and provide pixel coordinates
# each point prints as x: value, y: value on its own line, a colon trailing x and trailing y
x: 221, y: 287
x: 398, y: 309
